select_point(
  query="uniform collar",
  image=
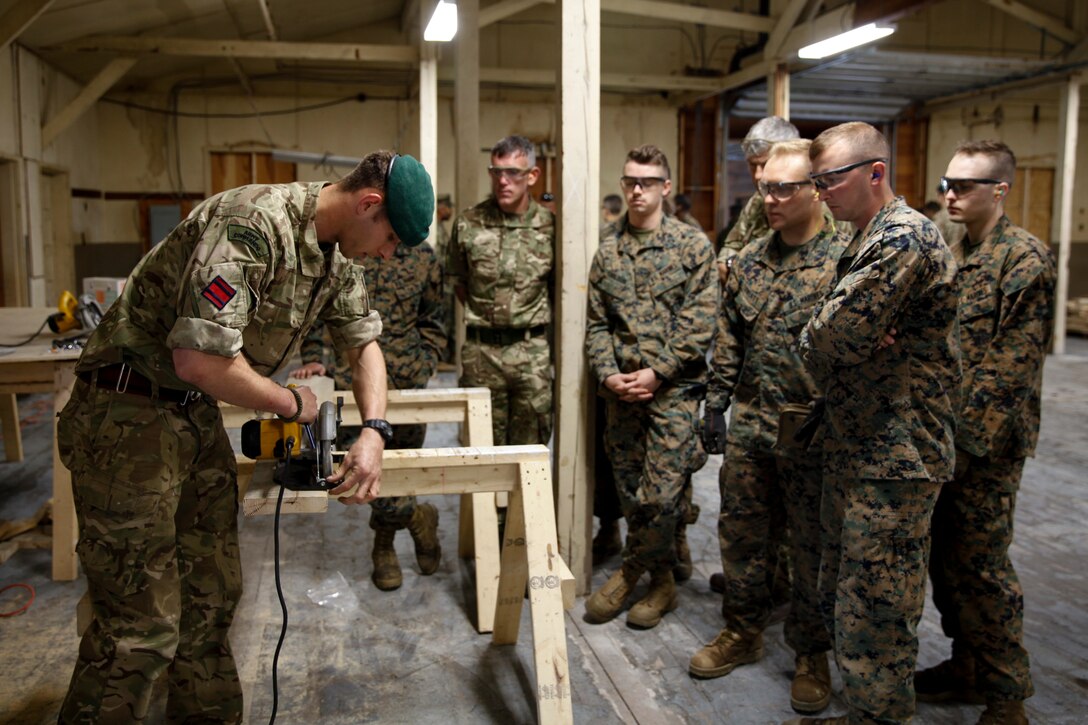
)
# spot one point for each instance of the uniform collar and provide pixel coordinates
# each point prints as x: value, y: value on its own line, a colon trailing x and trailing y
x: 812, y: 253
x: 311, y: 258
x: 532, y: 218
x: 974, y: 253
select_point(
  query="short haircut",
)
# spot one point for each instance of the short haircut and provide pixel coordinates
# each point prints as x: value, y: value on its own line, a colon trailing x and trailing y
x: 766, y: 131
x: 793, y: 147
x: 613, y: 203
x: 863, y: 139
x: 682, y: 201
x: 650, y: 155
x: 1002, y: 159
x: 514, y: 145
x: 369, y: 174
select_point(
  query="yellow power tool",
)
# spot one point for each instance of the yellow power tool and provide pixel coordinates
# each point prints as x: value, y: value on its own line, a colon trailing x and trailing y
x: 304, y: 453
x: 84, y: 313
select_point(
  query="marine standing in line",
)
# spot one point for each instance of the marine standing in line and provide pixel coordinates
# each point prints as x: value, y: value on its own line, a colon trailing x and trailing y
x: 774, y: 285
x: 889, y: 420
x: 1006, y: 282
x: 501, y: 256
x: 652, y: 303
x: 406, y: 290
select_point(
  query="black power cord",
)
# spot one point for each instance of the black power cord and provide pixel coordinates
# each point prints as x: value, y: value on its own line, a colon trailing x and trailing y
x: 289, y: 445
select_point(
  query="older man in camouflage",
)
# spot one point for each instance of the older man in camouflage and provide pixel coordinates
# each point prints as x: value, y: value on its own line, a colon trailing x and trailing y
x: 889, y: 419
x: 1006, y: 281
x: 406, y: 290
x: 752, y: 222
x: 775, y: 285
x: 217, y: 306
x: 652, y: 300
x: 501, y: 255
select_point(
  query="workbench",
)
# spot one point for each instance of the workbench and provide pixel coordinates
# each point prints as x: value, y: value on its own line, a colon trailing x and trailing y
x: 37, y: 368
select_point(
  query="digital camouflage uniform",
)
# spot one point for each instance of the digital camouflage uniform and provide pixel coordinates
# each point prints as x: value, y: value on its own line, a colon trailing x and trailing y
x: 155, y: 482
x: 1006, y: 300
x: 888, y: 447
x: 406, y: 291
x: 652, y: 303
x: 768, y: 299
x: 504, y: 261
x: 751, y: 225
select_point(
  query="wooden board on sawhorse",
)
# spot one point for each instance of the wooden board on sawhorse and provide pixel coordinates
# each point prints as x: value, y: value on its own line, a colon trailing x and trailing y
x: 478, y: 525
x: 530, y: 554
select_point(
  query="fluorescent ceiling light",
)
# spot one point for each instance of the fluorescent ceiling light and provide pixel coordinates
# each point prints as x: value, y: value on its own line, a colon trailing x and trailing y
x: 443, y: 24
x: 846, y: 41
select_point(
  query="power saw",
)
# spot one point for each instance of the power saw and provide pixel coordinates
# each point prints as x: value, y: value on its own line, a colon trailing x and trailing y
x: 84, y: 313
x: 303, y: 453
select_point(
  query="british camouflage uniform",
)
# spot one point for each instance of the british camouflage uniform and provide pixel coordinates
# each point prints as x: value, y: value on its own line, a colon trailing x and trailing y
x: 441, y: 244
x: 406, y: 291
x: 770, y: 294
x: 1006, y: 305
x: 153, y: 473
x: 504, y: 262
x: 652, y: 301
x: 751, y: 225
x: 888, y: 447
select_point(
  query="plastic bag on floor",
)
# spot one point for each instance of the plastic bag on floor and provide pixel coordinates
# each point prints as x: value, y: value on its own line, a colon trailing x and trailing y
x: 336, y: 593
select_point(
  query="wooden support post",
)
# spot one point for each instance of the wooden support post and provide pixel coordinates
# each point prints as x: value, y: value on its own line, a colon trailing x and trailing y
x: 9, y: 420
x: 428, y: 107
x: 1063, y: 199
x: 579, y: 228
x: 65, y: 527
x: 466, y: 106
x: 778, y: 92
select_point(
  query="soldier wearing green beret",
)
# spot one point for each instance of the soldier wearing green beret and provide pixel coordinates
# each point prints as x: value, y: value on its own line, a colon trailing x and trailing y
x: 500, y: 259
x: 214, y: 310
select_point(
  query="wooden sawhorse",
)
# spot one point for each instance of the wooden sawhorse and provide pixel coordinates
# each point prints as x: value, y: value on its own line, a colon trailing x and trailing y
x: 478, y: 534
x: 530, y: 553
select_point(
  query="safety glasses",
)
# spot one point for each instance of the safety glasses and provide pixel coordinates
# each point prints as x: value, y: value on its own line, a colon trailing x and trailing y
x: 961, y: 186
x: 827, y: 179
x: 781, y: 190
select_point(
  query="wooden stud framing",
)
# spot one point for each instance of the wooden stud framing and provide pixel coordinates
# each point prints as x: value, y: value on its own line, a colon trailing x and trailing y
x: 200, y: 48
x: 94, y: 90
x: 1069, y: 111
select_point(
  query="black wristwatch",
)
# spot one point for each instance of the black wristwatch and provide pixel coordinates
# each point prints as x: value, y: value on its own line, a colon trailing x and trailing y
x: 382, y: 426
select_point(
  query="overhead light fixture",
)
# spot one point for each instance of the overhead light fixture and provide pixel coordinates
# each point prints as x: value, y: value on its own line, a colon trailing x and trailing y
x: 846, y: 41
x: 443, y: 24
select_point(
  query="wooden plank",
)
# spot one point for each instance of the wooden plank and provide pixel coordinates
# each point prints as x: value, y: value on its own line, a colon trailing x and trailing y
x: 87, y: 97
x: 690, y: 14
x: 504, y: 9
x: 782, y: 26
x: 65, y: 527
x: 9, y: 423
x: 18, y: 18
x: 1047, y: 23
x: 579, y: 230
x: 1063, y: 200
x: 270, y: 49
x: 514, y: 574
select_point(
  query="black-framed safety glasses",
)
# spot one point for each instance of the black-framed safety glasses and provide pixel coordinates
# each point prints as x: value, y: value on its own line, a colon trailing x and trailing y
x: 961, y: 186
x: 826, y: 179
x: 646, y: 182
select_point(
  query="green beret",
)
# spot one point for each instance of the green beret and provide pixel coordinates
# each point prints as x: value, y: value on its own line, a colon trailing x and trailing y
x: 409, y: 199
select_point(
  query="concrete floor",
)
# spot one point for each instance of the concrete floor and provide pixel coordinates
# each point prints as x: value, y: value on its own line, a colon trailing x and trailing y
x: 412, y: 655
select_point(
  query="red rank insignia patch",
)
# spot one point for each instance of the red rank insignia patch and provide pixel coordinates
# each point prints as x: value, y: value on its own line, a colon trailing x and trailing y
x: 219, y: 293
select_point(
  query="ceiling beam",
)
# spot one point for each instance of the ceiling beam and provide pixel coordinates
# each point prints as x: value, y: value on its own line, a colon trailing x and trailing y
x: 19, y: 17
x: 91, y: 92
x: 1031, y: 16
x: 268, y: 24
x: 626, y: 81
x: 782, y: 27
x: 277, y: 50
x: 690, y: 14
x: 410, y: 22
x: 505, y: 9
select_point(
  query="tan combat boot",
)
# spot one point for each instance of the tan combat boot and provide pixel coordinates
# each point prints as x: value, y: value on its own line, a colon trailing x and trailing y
x: 605, y: 603
x: 728, y: 650
x: 424, y: 530
x: 386, y: 574
x: 1004, y: 712
x: 648, y: 611
x: 810, y: 691
x: 682, y: 571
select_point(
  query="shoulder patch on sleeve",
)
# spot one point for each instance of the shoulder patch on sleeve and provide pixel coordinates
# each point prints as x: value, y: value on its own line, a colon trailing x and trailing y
x: 219, y: 292
x: 249, y: 236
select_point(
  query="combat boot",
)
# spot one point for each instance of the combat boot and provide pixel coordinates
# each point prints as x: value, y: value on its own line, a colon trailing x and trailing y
x: 606, y: 543
x: 661, y: 599
x: 951, y: 681
x: 1004, y: 712
x: 424, y: 530
x: 386, y: 574
x: 840, y: 720
x: 810, y: 691
x: 682, y: 571
x: 608, y: 601
x: 728, y: 650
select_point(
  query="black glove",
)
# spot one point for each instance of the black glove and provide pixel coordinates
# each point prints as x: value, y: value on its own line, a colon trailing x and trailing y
x: 807, y: 430
x: 714, y: 431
